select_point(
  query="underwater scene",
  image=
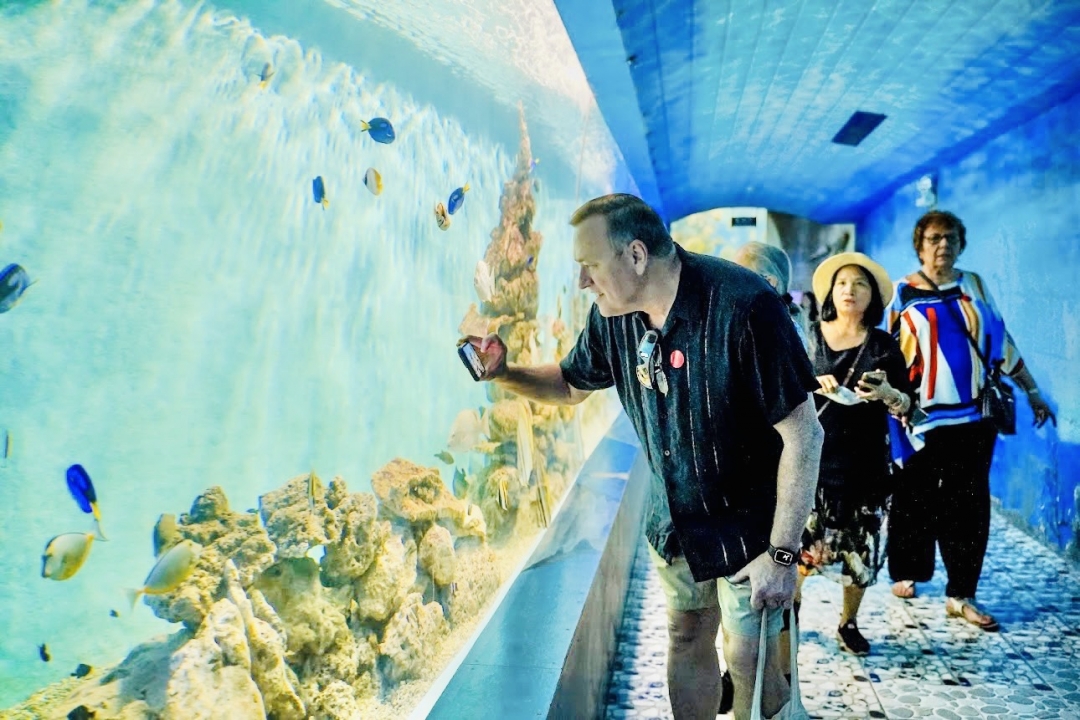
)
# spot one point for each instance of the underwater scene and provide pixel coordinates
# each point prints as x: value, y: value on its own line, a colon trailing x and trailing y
x: 243, y: 470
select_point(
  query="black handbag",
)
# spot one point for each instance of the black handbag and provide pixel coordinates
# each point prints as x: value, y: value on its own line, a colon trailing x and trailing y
x: 997, y: 401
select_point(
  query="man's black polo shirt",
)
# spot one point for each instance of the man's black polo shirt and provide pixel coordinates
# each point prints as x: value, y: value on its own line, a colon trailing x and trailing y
x: 709, y: 441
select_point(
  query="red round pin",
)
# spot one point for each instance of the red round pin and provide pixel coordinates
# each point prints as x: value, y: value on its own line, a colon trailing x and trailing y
x: 677, y: 359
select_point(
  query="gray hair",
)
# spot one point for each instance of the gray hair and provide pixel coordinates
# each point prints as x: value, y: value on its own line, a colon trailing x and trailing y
x: 766, y: 260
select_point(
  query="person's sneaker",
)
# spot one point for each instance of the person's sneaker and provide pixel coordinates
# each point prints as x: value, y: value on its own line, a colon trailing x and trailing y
x: 727, y: 693
x: 852, y: 640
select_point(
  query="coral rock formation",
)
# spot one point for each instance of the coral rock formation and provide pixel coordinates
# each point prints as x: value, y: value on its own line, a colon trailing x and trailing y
x: 437, y: 555
x: 210, y: 676
x: 417, y: 495
x: 225, y: 535
x: 477, y: 581
x: 362, y: 534
x: 266, y: 644
x: 382, y: 588
x: 413, y: 628
x: 292, y: 523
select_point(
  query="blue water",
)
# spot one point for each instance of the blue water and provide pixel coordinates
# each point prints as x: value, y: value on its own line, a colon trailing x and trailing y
x: 197, y: 318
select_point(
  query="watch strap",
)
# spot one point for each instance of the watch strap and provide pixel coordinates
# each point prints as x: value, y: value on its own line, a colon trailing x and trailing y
x: 782, y: 556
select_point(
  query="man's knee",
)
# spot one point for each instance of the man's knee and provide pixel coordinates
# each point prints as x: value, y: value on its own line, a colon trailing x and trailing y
x: 740, y: 653
x: 692, y: 629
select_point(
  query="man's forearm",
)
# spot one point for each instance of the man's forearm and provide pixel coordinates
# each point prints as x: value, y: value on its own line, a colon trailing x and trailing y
x: 796, y: 485
x: 543, y: 383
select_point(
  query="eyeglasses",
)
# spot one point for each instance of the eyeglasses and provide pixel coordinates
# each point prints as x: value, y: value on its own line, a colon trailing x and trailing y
x: 650, y: 370
x: 938, y: 238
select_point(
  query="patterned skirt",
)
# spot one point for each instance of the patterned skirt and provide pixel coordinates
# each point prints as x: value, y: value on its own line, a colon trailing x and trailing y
x: 843, y: 539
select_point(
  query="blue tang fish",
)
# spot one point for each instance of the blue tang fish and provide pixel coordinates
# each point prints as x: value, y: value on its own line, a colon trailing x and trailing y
x: 457, y: 199
x: 379, y: 129
x: 13, y: 283
x: 318, y: 189
x: 82, y: 489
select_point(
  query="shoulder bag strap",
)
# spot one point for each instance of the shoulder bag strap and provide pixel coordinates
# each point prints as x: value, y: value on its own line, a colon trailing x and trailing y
x: 759, y: 675
x: 851, y: 370
x: 956, y: 316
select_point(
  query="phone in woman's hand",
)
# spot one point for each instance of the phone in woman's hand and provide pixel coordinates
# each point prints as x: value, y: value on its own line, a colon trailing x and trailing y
x: 873, y: 377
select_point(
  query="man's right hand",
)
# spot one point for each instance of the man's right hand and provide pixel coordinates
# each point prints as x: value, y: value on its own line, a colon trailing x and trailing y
x: 771, y: 585
x: 493, y: 352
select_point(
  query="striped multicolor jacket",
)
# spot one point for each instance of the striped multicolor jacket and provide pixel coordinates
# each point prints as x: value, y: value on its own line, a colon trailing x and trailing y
x: 944, y: 368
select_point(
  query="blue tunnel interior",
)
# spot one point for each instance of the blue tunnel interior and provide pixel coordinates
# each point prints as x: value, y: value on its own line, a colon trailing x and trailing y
x: 731, y: 104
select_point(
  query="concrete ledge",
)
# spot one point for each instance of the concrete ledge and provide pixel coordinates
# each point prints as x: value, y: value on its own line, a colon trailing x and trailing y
x: 547, y: 650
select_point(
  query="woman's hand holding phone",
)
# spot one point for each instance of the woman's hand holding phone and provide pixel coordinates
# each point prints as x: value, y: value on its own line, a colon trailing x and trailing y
x: 873, y: 385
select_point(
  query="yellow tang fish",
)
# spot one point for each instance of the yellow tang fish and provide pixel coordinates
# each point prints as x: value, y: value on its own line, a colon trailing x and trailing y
x: 65, y: 554
x: 170, y: 571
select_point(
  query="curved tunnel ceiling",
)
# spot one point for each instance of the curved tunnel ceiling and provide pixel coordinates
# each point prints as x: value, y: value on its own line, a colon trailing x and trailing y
x: 736, y: 102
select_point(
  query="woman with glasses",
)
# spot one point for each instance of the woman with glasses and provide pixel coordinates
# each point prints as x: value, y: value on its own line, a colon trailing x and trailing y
x: 946, y: 323
x: 855, y: 363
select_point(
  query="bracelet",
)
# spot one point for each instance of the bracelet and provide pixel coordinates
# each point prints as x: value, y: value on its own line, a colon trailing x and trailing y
x: 898, y: 403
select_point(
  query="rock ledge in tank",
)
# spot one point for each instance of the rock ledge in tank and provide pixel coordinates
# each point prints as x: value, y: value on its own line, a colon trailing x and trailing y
x: 272, y: 631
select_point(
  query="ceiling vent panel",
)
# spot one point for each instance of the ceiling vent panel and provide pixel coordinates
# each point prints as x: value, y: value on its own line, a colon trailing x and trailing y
x: 857, y: 128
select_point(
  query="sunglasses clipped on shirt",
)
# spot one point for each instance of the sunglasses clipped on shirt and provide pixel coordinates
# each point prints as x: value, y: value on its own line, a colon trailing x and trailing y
x: 650, y: 370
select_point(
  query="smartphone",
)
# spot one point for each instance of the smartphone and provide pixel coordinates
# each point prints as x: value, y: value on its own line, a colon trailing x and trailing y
x: 471, y: 359
x: 870, y: 378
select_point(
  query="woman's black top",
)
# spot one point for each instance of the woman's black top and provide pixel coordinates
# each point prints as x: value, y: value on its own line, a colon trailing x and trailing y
x: 855, y: 456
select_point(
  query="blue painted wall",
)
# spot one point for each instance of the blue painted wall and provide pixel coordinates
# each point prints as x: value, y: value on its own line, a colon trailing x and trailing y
x: 1019, y: 196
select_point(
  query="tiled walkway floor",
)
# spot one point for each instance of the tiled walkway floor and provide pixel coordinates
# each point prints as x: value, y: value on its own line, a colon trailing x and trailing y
x: 922, y: 664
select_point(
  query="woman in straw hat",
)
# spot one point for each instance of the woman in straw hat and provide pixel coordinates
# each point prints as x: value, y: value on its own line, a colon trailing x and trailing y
x: 863, y: 378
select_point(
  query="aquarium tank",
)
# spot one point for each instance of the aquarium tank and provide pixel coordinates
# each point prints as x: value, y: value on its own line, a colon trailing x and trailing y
x: 243, y: 470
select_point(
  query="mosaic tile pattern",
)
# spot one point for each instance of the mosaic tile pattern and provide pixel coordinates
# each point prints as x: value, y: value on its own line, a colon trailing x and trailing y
x: 921, y: 664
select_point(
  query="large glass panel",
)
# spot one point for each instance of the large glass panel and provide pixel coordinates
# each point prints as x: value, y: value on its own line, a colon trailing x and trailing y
x: 240, y: 241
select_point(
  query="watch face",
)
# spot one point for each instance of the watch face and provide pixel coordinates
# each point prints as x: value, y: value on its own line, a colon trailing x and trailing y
x: 783, y: 556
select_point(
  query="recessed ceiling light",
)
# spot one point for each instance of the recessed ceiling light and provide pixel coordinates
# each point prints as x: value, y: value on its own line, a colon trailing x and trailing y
x: 857, y: 128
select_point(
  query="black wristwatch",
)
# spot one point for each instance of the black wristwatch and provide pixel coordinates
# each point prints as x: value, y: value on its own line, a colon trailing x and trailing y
x: 781, y: 556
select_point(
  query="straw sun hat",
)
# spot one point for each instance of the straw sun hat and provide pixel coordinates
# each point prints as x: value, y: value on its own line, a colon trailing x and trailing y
x: 826, y: 271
